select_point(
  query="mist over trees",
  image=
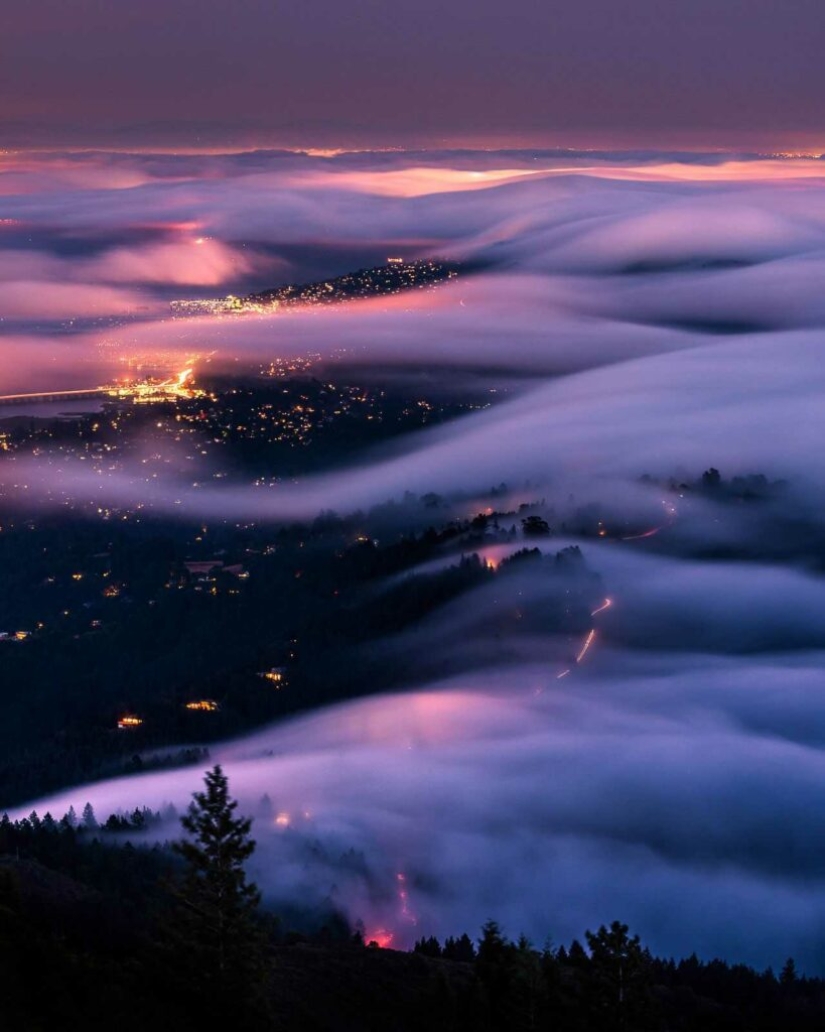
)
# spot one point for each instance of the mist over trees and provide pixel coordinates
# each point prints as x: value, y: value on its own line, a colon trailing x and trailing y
x: 100, y: 933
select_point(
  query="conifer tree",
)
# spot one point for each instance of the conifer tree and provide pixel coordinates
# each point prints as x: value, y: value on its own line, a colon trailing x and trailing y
x: 620, y: 977
x: 218, y: 939
x: 88, y: 820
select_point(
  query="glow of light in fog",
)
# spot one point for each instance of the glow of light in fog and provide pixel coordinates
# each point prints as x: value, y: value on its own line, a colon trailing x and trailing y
x: 588, y: 641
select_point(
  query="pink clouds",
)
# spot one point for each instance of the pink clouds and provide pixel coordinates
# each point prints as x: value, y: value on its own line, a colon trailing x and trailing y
x: 44, y: 299
x: 196, y: 262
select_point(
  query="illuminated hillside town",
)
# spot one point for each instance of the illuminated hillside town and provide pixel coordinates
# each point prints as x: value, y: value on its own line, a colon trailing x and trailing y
x: 395, y: 278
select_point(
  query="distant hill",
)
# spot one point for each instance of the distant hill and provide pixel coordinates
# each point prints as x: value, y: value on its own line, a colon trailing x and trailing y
x: 396, y: 277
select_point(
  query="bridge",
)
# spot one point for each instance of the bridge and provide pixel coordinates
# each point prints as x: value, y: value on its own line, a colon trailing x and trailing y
x: 145, y: 391
x: 45, y: 396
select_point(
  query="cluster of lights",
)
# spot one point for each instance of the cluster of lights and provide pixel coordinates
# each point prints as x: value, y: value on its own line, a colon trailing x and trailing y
x: 15, y: 635
x: 275, y: 676
x: 281, y: 368
x: 396, y: 277
x: 140, y: 391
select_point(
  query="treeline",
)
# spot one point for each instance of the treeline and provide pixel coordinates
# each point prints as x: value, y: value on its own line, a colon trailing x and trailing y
x: 614, y: 982
x: 748, y: 487
x: 91, y: 933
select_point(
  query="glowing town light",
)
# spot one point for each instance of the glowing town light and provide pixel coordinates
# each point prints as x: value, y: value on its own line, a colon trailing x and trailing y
x: 129, y: 722
x: 275, y: 676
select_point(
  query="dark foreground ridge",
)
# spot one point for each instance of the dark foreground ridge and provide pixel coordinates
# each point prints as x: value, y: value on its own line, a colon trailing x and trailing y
x: 74, y: 954
x: 99, y: 935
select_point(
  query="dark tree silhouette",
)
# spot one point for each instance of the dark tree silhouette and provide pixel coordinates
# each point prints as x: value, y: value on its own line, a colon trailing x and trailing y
x: 620, y: 968
x: 494, y: 967
x: 216, y: 935
x: 711, y: 479
x: 535, y: 526
x: 88, y: 820
x: 461, y: 949
x: 788, y: 974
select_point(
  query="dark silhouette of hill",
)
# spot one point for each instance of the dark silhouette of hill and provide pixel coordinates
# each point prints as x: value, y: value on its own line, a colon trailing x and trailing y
x: 82, y: 919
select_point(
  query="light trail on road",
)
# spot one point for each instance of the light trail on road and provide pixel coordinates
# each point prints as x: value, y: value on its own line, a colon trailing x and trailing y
x: 588, y: 641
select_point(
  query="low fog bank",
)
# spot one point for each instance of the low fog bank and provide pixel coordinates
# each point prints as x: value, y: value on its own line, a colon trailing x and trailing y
x: 657, y: 603
x: 659, y: 319
x: 672, y: 792
x: 746, y: 405
x: 593, y: 264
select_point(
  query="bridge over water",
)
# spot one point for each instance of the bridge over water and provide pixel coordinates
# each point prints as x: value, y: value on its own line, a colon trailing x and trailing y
x: 46, y: 396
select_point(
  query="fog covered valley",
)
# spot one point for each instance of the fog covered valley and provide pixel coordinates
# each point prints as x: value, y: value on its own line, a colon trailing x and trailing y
x: 498, y: 598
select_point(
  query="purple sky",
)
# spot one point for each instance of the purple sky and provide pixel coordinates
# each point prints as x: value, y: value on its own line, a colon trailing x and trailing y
x: 369, y: 72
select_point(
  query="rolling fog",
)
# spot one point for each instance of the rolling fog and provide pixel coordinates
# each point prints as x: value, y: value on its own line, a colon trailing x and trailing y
x: 648, y: 316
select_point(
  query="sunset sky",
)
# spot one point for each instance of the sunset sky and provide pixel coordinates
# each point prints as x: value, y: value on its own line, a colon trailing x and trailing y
x: 206, y: 73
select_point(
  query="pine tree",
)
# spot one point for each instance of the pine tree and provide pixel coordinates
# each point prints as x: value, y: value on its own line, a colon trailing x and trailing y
x: 620, y: 974
x: 88, y: 820
x: 460, y: 949
x: 788, y: 975
x: 216, y: 935
x: 494, y: 966
x: 429, y: 947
